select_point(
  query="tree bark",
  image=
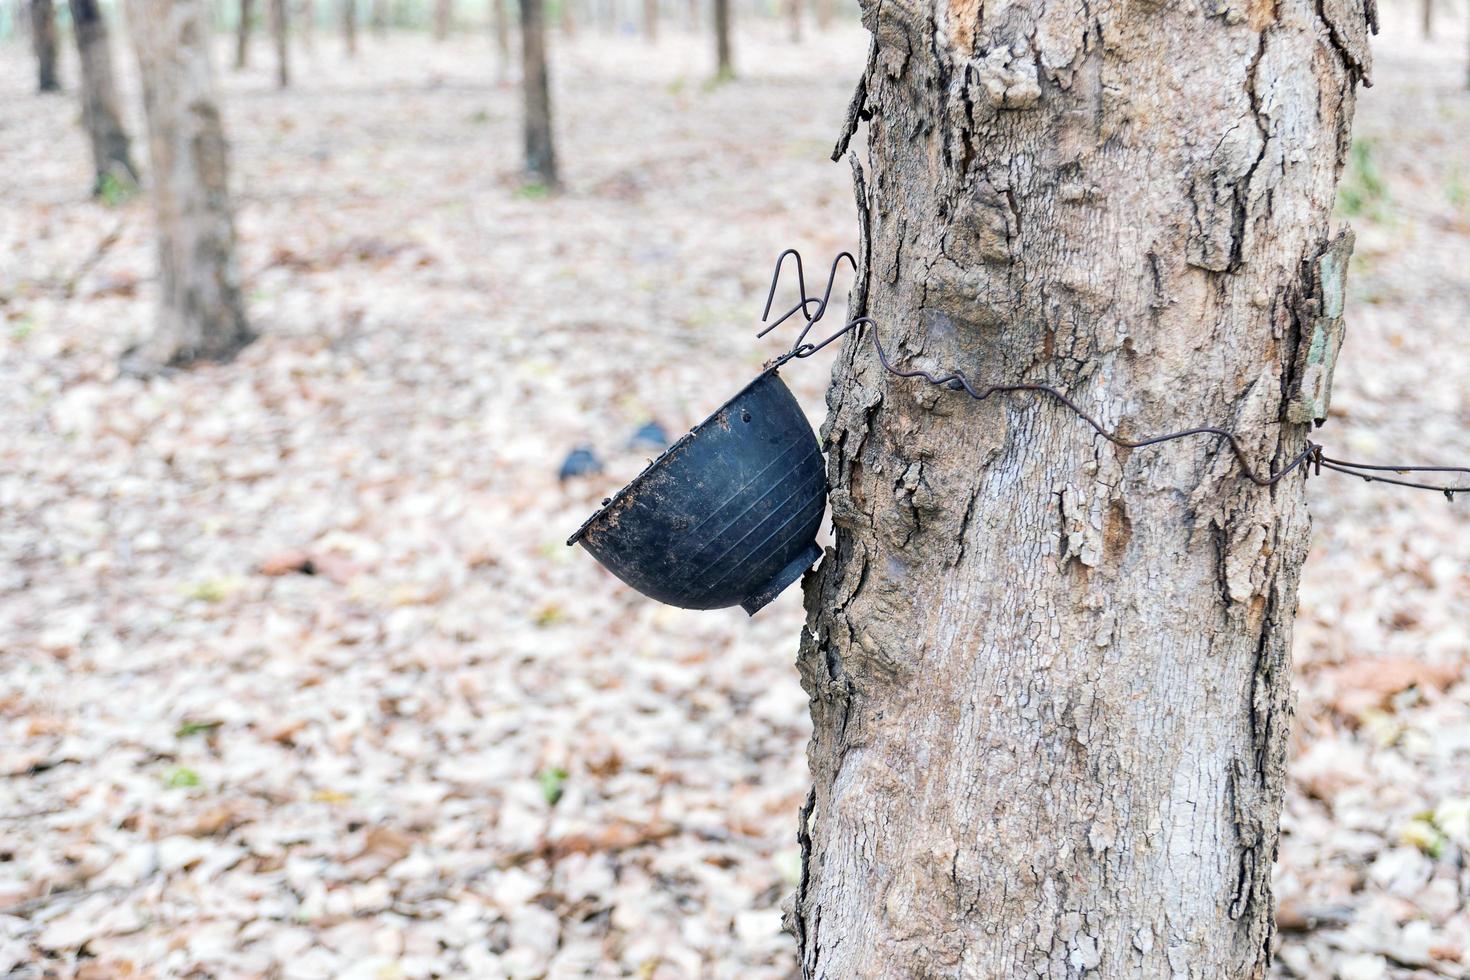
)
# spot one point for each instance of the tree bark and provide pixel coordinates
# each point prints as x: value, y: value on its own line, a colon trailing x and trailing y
x: 650, y: 21
x: 724, y: 60
x: 280, y: 32
x: 349, y: 26
x: 536, y: 85
x: 200, y: 312
x: 43, y: 42
x: 443, y: 15
x: 242, y: 35
x: 111, y: 157
x: 1049, y: 677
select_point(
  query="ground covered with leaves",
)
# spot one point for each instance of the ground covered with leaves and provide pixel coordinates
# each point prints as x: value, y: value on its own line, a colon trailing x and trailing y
x: 299, y: 678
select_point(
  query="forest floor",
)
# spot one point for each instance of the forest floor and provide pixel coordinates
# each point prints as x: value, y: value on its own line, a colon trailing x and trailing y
x: 461, y: 748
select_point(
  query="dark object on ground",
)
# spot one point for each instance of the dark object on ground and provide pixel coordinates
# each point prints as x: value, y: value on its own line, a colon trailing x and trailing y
x: 581, y: 461
x: 650, y: 436
x: 729, y: 514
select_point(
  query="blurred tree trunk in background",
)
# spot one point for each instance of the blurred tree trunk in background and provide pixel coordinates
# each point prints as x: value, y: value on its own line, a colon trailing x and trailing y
x: 1426, y: 18
x: 500, y: 27
x: 242, y: 34
x: 280, y: 32
x: 650, y: 21
x: 724, y: 61
x: 443, y: 18
x: 1049, y: 678
x: 693, y: 8
x: 823, y: 10
x: 349, y: 26
x: 568, y: 19
x: 43, y: 42
x: 100, y: 116
x: 380, y: 16
x: 536, y: 85
x: 793, y: 20
x: 305, y: 16
x: 200, y: 313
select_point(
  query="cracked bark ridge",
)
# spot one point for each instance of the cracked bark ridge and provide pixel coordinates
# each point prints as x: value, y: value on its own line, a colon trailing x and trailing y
x: 1049, y: 677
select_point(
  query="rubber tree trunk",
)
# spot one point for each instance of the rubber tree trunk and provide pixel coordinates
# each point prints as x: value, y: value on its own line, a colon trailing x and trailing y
x: 443, y: 15
x: 1048, y: 677
x: 200, y: 312
x: 536, y: 85
x: 111, y: 156
x: 280, y: 33
x: 650, y: 21
x: 823, y: 11
x: 348, y: 10
x: 1426, y: 18
x: 43, y: 41
x: 242, y: 34
x: 724, y: 61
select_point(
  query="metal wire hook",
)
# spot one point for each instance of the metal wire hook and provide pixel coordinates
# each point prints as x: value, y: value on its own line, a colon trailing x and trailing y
x: 1311, y: 459
x: 810, y: 318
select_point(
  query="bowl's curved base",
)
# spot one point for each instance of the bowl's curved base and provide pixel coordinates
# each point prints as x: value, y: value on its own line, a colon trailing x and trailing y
x: 757, y: 600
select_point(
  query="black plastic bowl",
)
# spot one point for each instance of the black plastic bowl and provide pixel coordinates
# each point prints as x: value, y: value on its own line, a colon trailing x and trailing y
x: 727, y: 515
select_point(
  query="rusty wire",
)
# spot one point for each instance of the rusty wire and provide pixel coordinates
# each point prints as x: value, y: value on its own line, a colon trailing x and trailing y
x: 1311, y: 460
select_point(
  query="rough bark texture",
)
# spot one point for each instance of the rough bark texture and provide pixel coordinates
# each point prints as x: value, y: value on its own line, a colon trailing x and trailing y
x: 280, y: 33
x: 43, y: 42
x: 242, y: 34
x: 109, y: 141
x: 200, y: 313
x: 724, y: 60
x: 1049, y: 677
x: 536, y: 83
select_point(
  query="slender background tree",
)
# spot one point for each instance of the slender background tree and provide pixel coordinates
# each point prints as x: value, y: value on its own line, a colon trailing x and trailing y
x: 280, y: 34
x: 1048, y: 676
x: 111, y: 157
x: 724, y: 59
x: 536, y: 84
x: 348, y: 10
x: 43, y: 42
x: 500, y: 30
x: 200, y: 313
x: 242, y: 34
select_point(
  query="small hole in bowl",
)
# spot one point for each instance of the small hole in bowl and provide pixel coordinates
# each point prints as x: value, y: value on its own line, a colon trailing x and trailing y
x: 745, y: 415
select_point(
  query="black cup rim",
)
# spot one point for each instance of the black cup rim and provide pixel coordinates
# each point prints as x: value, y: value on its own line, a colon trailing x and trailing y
x: 667, y: 455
